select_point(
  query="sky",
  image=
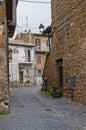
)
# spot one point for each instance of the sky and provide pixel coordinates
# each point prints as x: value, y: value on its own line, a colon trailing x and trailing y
x: 31, y: 15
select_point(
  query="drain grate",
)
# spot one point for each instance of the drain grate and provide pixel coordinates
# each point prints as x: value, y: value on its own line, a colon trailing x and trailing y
x: 21, y: 106
x: 48, y: 109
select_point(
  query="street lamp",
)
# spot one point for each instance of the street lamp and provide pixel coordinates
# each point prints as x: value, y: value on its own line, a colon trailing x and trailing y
x: 41, y: 28
x: 48, y: 32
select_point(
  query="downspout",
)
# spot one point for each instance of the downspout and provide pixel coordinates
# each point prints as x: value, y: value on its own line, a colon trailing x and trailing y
x: 7, y: 55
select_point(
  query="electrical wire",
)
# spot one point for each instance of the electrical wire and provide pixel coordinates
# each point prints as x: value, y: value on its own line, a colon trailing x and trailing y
x: 35, y: 2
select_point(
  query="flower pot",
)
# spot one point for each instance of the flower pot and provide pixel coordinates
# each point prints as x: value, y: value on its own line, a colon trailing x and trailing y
x: 56, y: 94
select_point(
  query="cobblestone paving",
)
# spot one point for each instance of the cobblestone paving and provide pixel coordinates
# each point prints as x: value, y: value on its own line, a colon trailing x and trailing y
x: 31, y: 111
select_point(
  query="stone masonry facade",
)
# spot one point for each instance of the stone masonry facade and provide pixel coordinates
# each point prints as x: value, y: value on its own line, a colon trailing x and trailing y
x: 4, y: 98
x: 68, y: 49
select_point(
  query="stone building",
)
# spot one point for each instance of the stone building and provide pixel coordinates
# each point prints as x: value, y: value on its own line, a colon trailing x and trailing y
x: 41, y: 50
x: 4, y: 81
x: 66, y: 63
x: 21, y: 62
x: 28, y: 46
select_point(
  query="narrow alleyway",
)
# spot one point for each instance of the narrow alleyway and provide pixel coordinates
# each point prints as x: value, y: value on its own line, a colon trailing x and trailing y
x: 32, y: 111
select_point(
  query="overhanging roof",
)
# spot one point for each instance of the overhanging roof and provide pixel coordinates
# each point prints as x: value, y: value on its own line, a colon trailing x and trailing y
x: 11, y: 16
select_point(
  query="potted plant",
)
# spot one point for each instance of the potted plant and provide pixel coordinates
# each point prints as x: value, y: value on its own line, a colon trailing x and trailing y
x: 56, y: 91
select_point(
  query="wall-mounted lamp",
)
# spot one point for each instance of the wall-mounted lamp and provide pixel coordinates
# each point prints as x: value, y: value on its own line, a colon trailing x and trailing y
x: 48, y: 32
x: 41, y: 28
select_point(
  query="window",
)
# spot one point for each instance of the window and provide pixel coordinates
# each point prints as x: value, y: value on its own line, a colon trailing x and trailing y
x: 60, y: 71
x: 47, y: 44
x: 10, y: 54
x: 39, y: 72
x: 29, y: 55
x: 27, y: 73
x: 39, y: 59
x: 38, y: 44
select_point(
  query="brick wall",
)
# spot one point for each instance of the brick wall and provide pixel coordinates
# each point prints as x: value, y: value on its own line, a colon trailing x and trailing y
x: 69, y: 44
x: 4, y: 98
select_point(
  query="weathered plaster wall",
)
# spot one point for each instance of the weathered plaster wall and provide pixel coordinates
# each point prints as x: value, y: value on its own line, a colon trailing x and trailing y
x: 20, y: 56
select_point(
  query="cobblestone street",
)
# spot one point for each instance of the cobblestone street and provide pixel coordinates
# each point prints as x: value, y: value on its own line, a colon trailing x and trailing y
x: 32, y: 111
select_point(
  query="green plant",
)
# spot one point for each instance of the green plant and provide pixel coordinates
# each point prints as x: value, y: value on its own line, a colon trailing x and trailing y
x: 56, y: 90
x: 2, y: 112
x: 10, y: 50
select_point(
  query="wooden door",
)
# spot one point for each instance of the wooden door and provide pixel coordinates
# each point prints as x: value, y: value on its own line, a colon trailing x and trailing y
x: 21, y: 77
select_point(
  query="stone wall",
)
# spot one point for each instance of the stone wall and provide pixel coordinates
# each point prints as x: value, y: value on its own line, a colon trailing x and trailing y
x: 69, y: 44
x: 4, y: 98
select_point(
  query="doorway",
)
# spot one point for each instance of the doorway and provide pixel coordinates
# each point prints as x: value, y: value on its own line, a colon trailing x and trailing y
x: 60, y: 71
x: 21, y: 76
